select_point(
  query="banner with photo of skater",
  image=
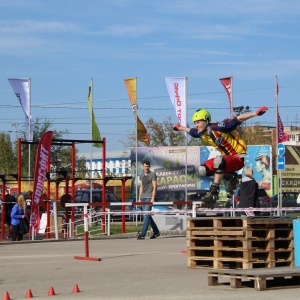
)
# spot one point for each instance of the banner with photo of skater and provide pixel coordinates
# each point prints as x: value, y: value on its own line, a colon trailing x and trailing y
x: 169, y: 165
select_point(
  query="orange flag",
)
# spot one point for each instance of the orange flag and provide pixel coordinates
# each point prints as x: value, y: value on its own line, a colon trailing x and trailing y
x: 142, y: 134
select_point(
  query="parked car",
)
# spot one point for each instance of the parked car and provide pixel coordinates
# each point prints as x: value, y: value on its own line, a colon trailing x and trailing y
x: 289, y: 199
x: 264, y: 199
x: 83, y: 196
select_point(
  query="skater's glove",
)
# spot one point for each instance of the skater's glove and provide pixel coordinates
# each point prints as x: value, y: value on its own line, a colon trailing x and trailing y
x: 176, y: 127
x: 261, y: 111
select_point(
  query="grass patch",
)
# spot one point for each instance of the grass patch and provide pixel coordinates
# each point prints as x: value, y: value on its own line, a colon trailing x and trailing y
x: 114, y: 228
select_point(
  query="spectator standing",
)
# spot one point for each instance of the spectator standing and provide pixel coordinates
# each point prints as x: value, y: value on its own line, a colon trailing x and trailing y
x: 28, y: 204
x: 249, y: 191
x: 17, y: 213
x: 10, y: 200
x: 147, y: 192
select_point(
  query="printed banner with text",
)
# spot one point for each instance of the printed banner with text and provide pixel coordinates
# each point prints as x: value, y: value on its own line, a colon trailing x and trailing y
x: 177, y: 91
x: 43, y: 155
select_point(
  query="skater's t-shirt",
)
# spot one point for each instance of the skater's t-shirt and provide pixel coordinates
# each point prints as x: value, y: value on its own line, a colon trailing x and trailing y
x: 223, y: 136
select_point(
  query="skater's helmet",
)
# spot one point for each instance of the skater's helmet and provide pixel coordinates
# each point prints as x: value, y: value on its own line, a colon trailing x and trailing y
x: 201, y: 114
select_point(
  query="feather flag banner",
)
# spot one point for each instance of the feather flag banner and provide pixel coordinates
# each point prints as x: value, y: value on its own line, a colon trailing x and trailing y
x: 142, y: 134
x: 95, y: 130
x: 177, y: 91
x: 21, y: 89
x: 227, y: 83
x: 281, y: 135
x: 43, y: 156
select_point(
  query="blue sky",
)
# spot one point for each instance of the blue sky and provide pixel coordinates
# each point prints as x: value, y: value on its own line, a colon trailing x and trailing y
x: 61, y: 44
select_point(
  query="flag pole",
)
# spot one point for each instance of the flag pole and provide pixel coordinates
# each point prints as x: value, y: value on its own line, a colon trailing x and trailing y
x: 136, y: 145
x: 29, y: 129
x: 231, y: 99
x: 279, y: 191
x: 91, y: 145
x: 186, y: 140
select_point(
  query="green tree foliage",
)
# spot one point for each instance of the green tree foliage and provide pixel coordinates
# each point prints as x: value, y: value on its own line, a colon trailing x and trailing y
x: 161, y: 134
x: 8, y: 156
x: 61, y: 155
x: 255, y: 135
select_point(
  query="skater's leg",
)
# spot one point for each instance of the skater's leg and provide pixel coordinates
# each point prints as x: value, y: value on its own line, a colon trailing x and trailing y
x: 211, y: 197
x: 212, y: 167
x: 232, y: 181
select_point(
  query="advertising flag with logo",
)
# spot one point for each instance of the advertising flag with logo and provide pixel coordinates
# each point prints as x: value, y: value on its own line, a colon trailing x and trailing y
x: 227, y: 83
x: 177, y: 91
x: 142, y: 134
x: 42, y: 160
x: 281, y: 135
x: 21, y: 88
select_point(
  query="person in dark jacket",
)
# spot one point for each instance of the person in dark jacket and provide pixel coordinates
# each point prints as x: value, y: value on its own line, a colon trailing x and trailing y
x: 249, y: 191
x: 10, y: 201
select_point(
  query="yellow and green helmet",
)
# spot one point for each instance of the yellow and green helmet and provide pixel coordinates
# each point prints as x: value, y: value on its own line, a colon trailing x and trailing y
x: 201, y: 114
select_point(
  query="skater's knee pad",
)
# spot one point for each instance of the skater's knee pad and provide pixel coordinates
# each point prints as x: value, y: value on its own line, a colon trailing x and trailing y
x: 219, y: 172
x: 219, y: 162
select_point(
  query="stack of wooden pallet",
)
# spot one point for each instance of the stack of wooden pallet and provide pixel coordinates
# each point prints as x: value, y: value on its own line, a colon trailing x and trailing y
x: 240, y: 243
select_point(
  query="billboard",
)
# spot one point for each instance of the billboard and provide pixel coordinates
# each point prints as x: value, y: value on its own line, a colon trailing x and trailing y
x: 291, y: 174
x: 260, y: 159
x: 177, y: 167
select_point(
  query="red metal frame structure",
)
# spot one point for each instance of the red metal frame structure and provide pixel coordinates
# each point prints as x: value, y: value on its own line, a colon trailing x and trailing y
x: 67, y: 142
x: 60, y: 142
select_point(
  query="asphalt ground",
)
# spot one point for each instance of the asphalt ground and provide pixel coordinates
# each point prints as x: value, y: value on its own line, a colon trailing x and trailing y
x: 129, y: 269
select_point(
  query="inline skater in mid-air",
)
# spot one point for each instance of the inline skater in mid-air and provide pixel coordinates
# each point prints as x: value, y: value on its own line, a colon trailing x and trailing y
x: 224, y: 137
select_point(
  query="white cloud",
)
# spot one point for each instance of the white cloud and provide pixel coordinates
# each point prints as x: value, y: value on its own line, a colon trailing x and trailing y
x: 32, y: 26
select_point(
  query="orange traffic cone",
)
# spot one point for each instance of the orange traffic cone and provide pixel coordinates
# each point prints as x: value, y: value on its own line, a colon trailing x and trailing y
x: 51, y: 292
x: 29, y: 294
x: 76, y: 289
x: 6, y: 296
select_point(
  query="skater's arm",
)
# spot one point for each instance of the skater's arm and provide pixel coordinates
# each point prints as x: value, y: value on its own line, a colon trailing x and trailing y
x: 178, y: 127
x: 252, y: 114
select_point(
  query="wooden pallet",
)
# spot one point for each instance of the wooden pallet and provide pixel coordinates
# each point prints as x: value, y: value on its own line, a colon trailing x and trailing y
x: 230, y: 263
x: 240, y: 243
x: 279, y: 277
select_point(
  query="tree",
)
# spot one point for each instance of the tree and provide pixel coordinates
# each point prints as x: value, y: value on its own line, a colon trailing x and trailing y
x: 61, y: 155
x: 161, y: 134
x: 8, y: 156
x: 255, y: 135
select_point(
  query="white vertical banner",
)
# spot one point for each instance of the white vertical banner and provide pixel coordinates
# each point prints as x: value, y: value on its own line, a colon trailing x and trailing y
x: 21, y: 88
x: 177, y: 87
